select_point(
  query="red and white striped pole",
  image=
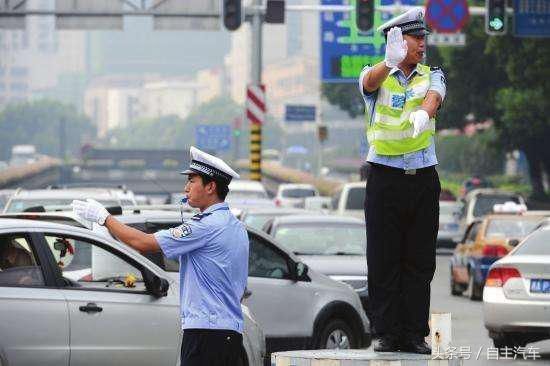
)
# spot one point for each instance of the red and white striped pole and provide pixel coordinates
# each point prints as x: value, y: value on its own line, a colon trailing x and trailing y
x: 255, y: 114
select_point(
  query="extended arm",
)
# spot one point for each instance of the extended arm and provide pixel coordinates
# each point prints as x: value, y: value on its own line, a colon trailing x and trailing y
x: 94, y: 211
x: 138, y: 240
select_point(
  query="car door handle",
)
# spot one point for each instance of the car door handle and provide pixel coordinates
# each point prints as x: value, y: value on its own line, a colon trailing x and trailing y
x: 91, y: 308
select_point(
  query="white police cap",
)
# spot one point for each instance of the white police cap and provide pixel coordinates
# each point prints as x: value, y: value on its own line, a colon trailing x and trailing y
x: 410, y: 22
x: 203, y: 163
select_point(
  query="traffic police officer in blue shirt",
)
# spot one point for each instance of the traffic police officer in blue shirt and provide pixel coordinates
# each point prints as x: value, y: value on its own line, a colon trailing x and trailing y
x: 212, y: 248
x: 401, y: 97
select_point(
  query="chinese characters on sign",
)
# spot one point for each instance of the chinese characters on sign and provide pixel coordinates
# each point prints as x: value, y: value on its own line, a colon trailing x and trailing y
x: 532, y: 18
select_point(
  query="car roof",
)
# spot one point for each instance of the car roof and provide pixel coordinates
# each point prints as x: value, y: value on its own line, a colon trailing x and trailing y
x: 296, y: 185
x: 316, y: 218
x: 251, y: 185
x: 8, y: 223
x: 449, y: 203
x: 361, y: 184
x: 64, y: 193
x: 68, y: 216
x: 490, y: 191
x: 513, y: 216
x: 153, y: 215
x: 275, y: 210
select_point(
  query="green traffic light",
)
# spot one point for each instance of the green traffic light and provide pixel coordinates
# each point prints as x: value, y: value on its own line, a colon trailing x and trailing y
x: 496, y: 24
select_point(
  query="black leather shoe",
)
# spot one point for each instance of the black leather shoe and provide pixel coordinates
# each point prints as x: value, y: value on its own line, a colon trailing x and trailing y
x: 386, y: 344
x: 415, y: 346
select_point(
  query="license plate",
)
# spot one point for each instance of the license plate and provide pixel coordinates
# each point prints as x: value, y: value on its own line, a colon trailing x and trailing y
x: 540, y: 286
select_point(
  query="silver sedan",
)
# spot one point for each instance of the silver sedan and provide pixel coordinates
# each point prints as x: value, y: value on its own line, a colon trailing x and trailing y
x: 69, y: 296
x: 516, y: 297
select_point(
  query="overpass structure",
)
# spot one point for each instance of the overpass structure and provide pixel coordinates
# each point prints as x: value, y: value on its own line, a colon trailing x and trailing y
x: 148, y: 172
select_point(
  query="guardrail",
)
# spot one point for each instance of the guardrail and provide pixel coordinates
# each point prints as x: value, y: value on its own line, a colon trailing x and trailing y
x: 12, y: 176
x: 279, y: 173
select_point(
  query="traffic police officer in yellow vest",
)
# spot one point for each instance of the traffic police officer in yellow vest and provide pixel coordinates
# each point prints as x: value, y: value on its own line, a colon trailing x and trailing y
x: 401, y: 97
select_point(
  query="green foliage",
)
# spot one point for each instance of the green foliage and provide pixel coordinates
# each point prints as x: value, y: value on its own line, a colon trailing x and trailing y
x: 37, y: 123
x: 346, y: 96
x: 473, y: 78
x: 470, y: 155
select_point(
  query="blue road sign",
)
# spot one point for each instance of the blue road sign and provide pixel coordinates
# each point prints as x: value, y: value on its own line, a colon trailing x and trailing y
x: 532, y: 18
x: 345, y: 50
x: 213, y: 137
x: 299, y: 113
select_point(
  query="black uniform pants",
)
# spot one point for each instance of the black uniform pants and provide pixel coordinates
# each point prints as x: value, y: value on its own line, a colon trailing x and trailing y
x: 402, y: 214
x: 211, y: 347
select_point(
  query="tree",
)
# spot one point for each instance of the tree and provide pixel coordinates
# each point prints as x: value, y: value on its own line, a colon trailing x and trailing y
x: 38, y: 123
x: 473, y: 77
x: 524, y: 121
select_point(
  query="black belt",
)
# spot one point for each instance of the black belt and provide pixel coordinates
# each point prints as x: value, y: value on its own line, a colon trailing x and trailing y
x: 419, y: 171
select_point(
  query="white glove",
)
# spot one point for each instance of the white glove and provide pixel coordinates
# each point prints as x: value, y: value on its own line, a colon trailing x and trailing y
x: 420, y: 121
x: 396, y: 47
x: 90, y: 210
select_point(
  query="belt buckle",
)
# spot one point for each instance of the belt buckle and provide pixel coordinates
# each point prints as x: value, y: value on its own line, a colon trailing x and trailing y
x: 410, y: 171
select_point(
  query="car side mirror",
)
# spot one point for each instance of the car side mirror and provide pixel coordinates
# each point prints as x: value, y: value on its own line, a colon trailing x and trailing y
x: 301, y: 271
x: 157, y: 286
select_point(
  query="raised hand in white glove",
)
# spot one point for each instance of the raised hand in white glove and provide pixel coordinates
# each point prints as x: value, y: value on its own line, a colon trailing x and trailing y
x: 396, y: 47
x: 90, y: 210
x: 420, y: 121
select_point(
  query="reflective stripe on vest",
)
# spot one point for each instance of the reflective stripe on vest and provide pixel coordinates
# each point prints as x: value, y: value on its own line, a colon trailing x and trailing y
x: 391, y: 132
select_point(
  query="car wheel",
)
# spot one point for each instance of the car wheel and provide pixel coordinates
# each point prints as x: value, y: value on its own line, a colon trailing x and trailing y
x: 456, y: 290
x: 507, y: 340
x: 474, y: 291
x: 337, y: 335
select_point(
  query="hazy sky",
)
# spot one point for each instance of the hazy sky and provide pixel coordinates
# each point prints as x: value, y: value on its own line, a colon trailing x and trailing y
x: 139, y: 48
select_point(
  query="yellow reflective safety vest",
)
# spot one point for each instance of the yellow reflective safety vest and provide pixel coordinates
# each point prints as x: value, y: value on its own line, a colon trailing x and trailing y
x: 390, y: 131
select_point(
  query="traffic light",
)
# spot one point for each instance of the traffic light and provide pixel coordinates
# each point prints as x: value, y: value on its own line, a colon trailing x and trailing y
x: 495, y: 17
x: 364, y: 14
x: 232, y: 14
x: 275, y: 12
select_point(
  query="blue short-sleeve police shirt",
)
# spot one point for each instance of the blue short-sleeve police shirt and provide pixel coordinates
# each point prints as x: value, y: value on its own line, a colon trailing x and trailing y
x: 212, y: 248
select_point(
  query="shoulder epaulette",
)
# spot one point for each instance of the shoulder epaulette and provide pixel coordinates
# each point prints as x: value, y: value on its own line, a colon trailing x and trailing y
x: 200, y: 216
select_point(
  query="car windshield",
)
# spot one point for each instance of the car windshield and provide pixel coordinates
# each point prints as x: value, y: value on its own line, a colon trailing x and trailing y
x: 323, y: 239
x: 484, y: 203
x: 257, y: 221
x: 298, y: 193
x: 509, y: 228
x: 356, y: 198
x: 535, y: 244
x: 239, y: 194
x: 20, y: 205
